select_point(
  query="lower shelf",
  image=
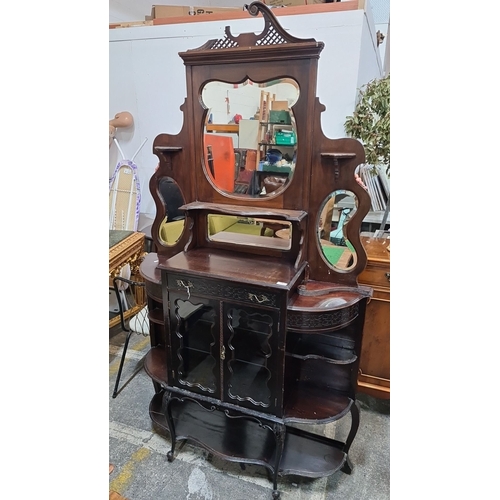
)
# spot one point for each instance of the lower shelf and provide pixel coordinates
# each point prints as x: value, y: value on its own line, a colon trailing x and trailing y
x: 236, y: 438
x: 248, y: 439
x: 309, y: 455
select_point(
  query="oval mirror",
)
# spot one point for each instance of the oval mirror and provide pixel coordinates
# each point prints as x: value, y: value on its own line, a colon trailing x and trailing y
x: 336, y: 211
x: 172, y: 226
x: 250, y: 136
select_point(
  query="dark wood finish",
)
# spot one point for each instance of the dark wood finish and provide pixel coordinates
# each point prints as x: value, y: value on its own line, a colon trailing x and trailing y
x: 250, y: 339
x: 374, y: 376
x: 152, y: 277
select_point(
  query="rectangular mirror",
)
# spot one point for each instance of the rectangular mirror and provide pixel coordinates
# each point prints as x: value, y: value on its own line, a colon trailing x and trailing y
x: 250, y: 231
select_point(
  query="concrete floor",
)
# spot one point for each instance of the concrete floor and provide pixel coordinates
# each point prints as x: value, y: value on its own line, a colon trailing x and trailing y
x: 141, y: 470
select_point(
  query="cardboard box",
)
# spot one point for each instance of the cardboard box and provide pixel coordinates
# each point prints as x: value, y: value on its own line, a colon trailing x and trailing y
x: 161, y: 11
x: 279, y: 105
x: 293, y: 3
x: 284, y: 3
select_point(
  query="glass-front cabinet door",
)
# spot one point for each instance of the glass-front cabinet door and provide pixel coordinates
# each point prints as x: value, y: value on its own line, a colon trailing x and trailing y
x: 195, y: 344
x: 250, y: 340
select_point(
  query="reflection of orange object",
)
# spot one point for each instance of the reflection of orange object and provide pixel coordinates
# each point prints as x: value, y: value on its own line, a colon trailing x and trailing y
x: 251, y: 163
x: 223, y: 160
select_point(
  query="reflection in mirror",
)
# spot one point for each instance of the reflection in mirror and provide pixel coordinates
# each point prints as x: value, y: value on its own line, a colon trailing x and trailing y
x: 250, y: 137
x: 250, y: 231
x: 336, y: 211
x: 172, y: 226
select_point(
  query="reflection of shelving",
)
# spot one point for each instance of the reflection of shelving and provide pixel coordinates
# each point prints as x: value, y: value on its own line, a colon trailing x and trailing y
x: 230, y: 128
x: 268, y: 134
x: 264, y: 107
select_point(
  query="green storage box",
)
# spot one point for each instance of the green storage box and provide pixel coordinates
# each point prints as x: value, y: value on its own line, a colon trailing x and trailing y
x: 285, y: 138
x: 280, y: 117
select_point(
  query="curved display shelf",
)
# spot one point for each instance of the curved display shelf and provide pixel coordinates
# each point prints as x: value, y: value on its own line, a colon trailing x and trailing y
x: 250, y: 441
x: 155, y: 365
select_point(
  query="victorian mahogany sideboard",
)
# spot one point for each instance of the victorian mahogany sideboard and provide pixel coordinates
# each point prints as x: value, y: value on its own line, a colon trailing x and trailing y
x: 253, y: 334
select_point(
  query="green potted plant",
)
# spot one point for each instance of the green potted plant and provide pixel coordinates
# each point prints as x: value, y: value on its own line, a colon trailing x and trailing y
x: 370, y: 122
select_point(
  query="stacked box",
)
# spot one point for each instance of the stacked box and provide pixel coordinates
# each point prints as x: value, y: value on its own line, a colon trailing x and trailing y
x: 280, y: 116
x: 285, y: 138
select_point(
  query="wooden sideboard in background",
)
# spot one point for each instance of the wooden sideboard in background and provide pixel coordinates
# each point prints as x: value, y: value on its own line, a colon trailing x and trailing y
x: 374, y: 368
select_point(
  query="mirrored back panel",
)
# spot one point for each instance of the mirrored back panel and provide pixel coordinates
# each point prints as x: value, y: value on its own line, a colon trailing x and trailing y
x: 250, y: 231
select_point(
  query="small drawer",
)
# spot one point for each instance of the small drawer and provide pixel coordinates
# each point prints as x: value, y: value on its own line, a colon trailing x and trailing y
x: 182, y: 283
x: 221, y: 290
x: 375, y: 275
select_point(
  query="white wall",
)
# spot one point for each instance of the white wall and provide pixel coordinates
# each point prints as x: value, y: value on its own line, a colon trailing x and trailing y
x: 137, y: 10
x: 147, y: 76
x: 369, y: 65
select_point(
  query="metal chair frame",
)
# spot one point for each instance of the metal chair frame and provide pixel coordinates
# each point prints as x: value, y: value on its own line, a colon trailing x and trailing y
x: 126, y: 329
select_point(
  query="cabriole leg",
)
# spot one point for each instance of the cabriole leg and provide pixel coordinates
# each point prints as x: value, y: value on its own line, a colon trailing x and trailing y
x: 279, y: 433
x: 170, y: 421
x: 347, y: 468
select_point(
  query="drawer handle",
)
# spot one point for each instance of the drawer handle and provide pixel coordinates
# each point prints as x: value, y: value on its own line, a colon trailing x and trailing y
x: 388, y: 276
x: 258, y: 298
x: 187, y: 286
